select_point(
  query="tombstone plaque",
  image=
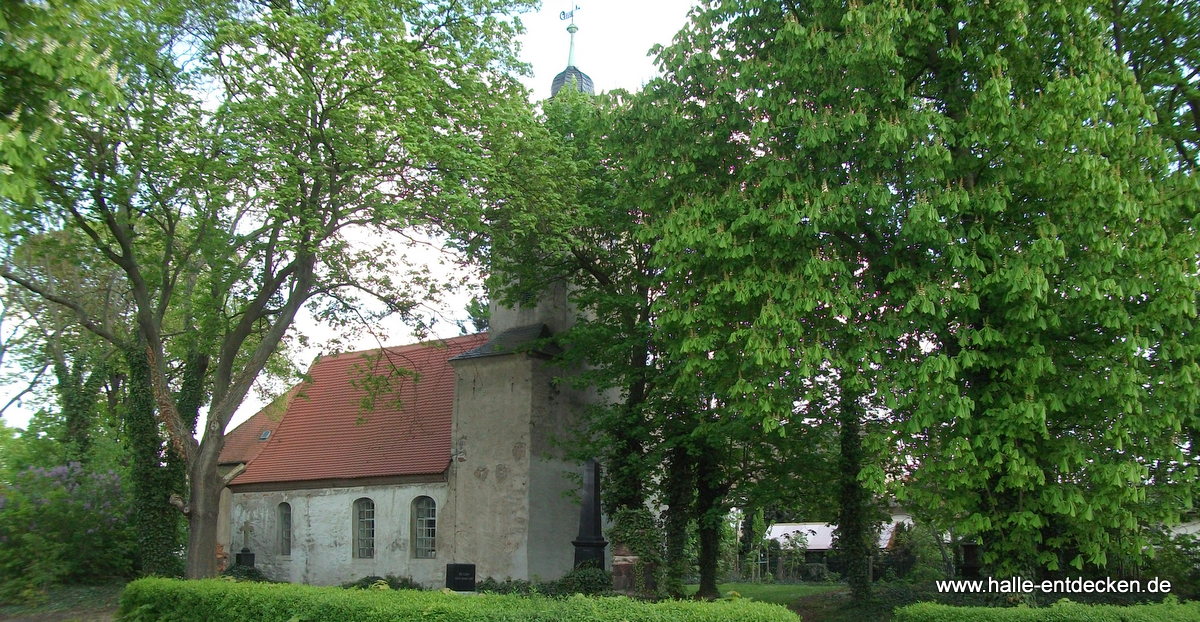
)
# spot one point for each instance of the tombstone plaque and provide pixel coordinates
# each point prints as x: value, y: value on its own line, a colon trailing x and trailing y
x: 460, y: 577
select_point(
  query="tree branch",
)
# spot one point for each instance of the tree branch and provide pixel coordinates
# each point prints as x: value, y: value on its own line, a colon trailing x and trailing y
x: 28, y: 388
x: 85, y: 319
x: 231, y: 475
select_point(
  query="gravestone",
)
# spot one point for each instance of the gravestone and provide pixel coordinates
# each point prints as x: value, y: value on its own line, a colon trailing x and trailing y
x: 623, y: 563
x: 460, y: 577
x: 245, y: 557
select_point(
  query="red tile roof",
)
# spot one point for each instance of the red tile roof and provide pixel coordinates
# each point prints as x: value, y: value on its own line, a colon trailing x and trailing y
x: 244, y: 442
x: 333, y: 430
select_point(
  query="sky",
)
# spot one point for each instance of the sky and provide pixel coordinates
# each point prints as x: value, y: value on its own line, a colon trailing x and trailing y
x: 611, y: 46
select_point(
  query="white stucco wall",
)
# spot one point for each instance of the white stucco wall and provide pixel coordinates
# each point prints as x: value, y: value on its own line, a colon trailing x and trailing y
x: 512, y: 506
x: 489, y: 474
x: 551, y: 308
x: 322, y: 536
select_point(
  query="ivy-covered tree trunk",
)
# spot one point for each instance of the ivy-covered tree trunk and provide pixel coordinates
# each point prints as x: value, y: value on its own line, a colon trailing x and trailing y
x: 78, y: 398
x: 190, y: 397
x: 156, y: 521
x: 626, y: 459
x: 680, y: 489
x: 710, y: 517
x: 855, y: 535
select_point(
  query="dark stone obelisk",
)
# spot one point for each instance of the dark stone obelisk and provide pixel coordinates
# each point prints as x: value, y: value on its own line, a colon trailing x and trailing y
x: 589, y: 545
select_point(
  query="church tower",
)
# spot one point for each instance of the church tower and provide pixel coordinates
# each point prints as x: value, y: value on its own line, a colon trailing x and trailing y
x: 515, y: 507
x: 572, y: 74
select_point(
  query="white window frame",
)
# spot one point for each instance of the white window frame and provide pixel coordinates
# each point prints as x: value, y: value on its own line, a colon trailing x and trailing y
x: 283, y: 514
x: 364, y: 528
x: 424, y: 528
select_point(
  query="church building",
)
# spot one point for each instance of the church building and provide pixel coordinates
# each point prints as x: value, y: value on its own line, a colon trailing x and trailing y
x: 405, y: 460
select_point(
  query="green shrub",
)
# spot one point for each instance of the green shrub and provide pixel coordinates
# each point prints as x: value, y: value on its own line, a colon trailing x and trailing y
x: 818, y: 573
x: 391, y: 581
x: 1177, y: 558
x: 587, y: 581
x: 61, y: 524
x: 245, y: 573
x: 507, y: 586
x: 185, y: 601
x: 1063, y: 611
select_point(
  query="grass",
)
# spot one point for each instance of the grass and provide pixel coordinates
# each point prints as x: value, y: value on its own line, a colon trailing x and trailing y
x: 778, y: 593
x: 83, y: 603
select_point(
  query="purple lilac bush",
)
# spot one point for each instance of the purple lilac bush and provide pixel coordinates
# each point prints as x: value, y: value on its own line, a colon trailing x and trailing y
x: 61, y: 524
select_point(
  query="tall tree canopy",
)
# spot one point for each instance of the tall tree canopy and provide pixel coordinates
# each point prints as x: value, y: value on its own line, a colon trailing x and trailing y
x: 266, y: 157
x: 50, y: 67
x: 955, y: 212
x: 1160, y: 41
x: 583, y: 223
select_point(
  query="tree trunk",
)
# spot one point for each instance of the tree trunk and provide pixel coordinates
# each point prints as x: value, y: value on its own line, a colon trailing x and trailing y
x: 77, y: 399
x: 680, y: 490
x: 189, y: 399
x: 625, y: 459
x: 709, y: 495
x: 710, y: 544
x: 155, y: 521
x: 203, y: 517
x: 855, y: 540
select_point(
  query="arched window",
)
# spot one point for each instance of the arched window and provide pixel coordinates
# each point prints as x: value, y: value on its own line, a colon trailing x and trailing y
x: 364, y: 528
x: 424, y: 529
x: 284, y: 514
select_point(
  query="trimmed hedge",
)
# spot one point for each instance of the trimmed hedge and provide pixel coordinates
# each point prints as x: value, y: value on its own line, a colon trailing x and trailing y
x: 375, y: 582
x: 216, y: 599
x: 1064, y: 611
x: 586, y: 581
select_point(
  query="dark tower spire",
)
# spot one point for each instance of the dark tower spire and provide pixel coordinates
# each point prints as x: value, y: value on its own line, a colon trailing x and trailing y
x: 572, y: 74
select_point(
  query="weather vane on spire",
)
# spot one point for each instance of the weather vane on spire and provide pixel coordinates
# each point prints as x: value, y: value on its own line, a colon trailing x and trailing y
x: 569, y: 15
x: 571, y: 74
x: 571, y: 29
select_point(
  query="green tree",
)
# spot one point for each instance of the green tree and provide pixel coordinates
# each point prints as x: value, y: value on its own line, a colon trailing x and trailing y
x: 223, y: 222
x: 1063, y: 325
x: 95, y: 417
x: 1160, y: 42
x: 51, y: 68
x: 578, y: 224
x: 575, y: 224
x: 952, y: 211
x: 582, y: 223
x: 768, y: 304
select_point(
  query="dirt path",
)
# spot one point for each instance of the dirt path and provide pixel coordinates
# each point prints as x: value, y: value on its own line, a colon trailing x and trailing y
x: 823, y: 607
x: 69, y: 603
x: 70, y: 615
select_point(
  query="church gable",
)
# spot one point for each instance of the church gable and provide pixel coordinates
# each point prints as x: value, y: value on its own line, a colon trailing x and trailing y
x: 333, y: 429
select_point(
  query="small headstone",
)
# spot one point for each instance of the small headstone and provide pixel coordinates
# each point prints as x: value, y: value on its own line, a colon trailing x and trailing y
x: 460, y: 577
